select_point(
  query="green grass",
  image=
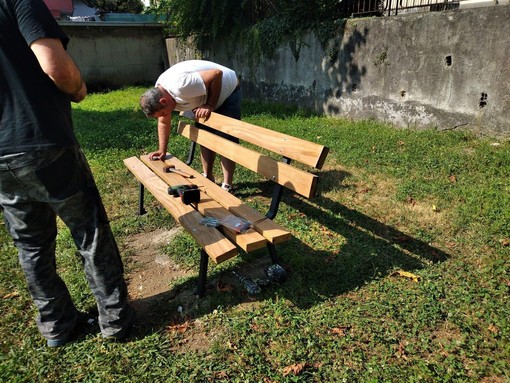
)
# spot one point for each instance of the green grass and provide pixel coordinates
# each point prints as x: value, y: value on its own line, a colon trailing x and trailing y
x: 436, y: 204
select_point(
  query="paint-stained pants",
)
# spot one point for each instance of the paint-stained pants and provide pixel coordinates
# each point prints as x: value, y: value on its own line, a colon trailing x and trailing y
x: 35, y: 188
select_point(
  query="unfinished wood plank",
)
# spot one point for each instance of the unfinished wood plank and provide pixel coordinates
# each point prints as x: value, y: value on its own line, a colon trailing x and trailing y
x: 248, y: 241
x: 270, y: 230
x: 211, y: 240
x: 306, y: 152
x: 298, y: 180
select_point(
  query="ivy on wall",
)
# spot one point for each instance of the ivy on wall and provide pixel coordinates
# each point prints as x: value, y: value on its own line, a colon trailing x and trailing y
x: 258, y: 26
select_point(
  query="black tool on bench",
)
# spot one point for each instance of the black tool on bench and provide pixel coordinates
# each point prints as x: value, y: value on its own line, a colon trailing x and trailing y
x: 188, y: 193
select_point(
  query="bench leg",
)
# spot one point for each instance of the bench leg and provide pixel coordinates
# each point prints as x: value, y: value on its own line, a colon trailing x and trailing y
x: 141, y: 209
x: 202, y: 274
x: 191, y: 153
x: 272, y: 253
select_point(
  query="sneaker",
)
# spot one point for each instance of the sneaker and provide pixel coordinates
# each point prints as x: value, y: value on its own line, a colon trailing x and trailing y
x: 226, y: 187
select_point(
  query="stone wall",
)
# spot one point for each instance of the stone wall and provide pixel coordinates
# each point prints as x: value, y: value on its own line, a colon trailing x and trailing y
x: 113, y: 55
x: 442, y: 70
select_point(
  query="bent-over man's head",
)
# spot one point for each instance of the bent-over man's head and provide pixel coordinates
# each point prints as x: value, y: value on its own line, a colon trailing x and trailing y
x: 150, y: 101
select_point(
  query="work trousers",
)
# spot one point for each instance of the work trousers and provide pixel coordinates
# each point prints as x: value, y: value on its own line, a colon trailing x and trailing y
x: 35, y: 188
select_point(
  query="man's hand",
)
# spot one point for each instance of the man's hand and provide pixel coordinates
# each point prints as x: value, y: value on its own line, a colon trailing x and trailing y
x: 203, y: 111
x: 154, y: 156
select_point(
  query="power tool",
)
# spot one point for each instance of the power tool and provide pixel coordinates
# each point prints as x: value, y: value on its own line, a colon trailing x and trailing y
x: 188, y: 193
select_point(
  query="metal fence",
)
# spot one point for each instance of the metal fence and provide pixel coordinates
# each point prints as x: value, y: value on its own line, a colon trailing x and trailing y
x: 363, y: 8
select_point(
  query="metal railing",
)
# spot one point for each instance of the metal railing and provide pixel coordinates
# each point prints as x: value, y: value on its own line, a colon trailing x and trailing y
x: 363, y: 8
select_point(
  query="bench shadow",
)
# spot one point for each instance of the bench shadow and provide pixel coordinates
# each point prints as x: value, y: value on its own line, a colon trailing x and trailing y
x: 370, y: 250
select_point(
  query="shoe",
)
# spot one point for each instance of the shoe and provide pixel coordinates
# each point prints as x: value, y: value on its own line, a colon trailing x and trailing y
x: 58, y: 342
x: 226, y: 187
x: 83, y: 323
x: 123, y: 333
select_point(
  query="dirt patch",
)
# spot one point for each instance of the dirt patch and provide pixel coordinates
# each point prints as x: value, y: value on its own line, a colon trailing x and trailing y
x: 150, y: 272
x: 162, y: 304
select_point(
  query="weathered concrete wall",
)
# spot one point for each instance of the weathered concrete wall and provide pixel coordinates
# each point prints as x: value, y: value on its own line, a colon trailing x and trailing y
x: 444, y: 70
x: 112, y: 55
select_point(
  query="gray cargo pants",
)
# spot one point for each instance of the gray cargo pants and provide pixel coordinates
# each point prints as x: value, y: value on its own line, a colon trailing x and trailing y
x: 35, y: 187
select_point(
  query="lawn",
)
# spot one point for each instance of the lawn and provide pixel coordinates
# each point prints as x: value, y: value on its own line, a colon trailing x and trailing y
x: 399, y: 270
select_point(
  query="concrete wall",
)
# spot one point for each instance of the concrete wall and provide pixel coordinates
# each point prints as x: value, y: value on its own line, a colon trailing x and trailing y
x: 113, y: 55
x: 446, y: 70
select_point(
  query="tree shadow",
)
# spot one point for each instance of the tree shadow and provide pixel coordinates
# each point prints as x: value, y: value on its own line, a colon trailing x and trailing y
x: 345, y: 74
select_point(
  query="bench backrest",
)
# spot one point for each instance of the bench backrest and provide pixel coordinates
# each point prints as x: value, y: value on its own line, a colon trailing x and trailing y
x: 289, y: 147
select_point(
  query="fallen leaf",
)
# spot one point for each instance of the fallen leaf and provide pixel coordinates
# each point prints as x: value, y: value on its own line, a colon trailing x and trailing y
x: 11, y: 295
x: 453, y: 179
x: 340, y: 331
x: 257, y: 328
x: 493, y: 329
x: 178, y: 328
x: 221, y: 375
x: 407, y: 274
x: 295, y: 369
x: 401, y: 352
x: 505, y: 242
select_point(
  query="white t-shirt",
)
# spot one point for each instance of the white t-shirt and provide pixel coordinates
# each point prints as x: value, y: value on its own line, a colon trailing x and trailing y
x: 185, y: 85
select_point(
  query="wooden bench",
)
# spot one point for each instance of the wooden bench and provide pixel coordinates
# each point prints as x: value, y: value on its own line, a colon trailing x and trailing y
x: 221, y: 244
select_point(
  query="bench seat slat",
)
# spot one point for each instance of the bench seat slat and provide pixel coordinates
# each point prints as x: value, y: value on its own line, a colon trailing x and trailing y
x: 248, y: 241
x: 211, y: 240
x: 298, y: 180
x: 309, y: 153
x: 269, y: 229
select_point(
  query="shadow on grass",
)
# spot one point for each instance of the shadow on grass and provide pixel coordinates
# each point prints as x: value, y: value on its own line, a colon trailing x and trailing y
x: 370, y: 250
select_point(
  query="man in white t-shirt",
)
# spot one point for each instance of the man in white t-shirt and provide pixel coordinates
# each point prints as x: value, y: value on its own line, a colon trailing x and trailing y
x: 199, y: 87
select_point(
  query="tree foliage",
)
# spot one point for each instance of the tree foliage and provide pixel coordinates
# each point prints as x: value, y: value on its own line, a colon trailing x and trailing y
x: 118, y: 6
x: 261, y: 25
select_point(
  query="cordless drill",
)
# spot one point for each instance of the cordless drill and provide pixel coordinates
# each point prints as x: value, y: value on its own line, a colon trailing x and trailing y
x: 188, y: 193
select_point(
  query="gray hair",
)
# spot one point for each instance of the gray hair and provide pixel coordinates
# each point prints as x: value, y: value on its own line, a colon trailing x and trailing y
x: 149, y: 101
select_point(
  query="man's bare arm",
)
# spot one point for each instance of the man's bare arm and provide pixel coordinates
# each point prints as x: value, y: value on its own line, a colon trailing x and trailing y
x: 212, y: 79
x: 60, y: 67
x: 164, y: 129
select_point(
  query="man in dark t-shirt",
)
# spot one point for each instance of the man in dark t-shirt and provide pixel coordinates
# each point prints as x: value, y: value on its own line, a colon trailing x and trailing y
x: 43, y: 174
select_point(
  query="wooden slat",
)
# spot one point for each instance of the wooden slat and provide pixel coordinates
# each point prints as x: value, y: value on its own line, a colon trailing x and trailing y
x: 298, y: 180
x: 248, y: 241
x: 211, y: 240
x: 306, y: 152
x: 270, y: 230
